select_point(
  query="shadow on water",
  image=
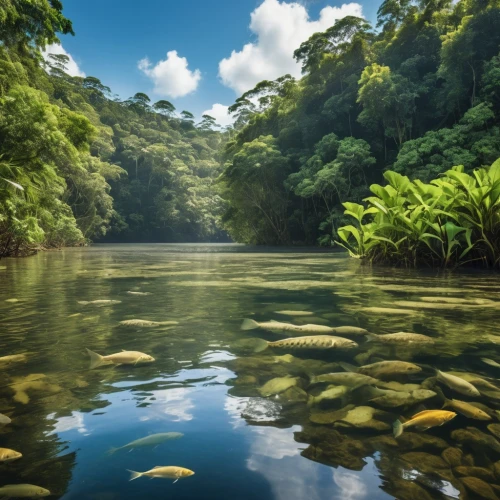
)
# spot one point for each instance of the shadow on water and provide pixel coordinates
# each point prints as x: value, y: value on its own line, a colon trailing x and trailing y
x: 254, y: 424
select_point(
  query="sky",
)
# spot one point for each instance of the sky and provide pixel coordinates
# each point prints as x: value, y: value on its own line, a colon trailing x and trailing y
x: 200, y: 55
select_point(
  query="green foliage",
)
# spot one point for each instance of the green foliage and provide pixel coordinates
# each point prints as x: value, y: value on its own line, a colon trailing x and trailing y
x: 418, y: 97
x: 453, y: 220
x: 77, y: 165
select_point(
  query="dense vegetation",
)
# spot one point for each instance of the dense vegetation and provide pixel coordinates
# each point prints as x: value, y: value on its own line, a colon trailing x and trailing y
x: 417, y: 96
x: 453, y: 220
x: 77, y: 164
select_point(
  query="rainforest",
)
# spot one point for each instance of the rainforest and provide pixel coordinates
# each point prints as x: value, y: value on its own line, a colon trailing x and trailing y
x: 415, y: 95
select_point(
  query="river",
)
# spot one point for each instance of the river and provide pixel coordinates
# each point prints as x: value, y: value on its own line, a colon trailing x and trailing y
x: 207, y: 378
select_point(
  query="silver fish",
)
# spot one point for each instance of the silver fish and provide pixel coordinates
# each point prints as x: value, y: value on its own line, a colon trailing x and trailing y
x: 314, y: 342
x: 4, y: 419
x: 276, y: 326
x: 144, y: 323
x: 101, y: 302
x: 152, y: 440
x: 457, y: 384
x: 351, y: 330
x: 400, y: 338
x: 349, y: 379
x: 138, y: 293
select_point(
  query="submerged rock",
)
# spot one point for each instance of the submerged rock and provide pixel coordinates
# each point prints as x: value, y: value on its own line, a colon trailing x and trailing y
x: 329, y: 417
x: 278, y: 385
x: 494, y: 429
x: 415, y: 441
x: 479, y: 488
x: 425, y: 462
x: 407, y: 490
x: 364, y: 417
x: 480, y: 472
x: 475, y: 439
x: 452, y: 456
x: 330, y: 447
x: 293, y: 394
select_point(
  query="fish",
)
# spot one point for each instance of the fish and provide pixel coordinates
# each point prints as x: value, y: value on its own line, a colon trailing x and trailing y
x: 13, y: 301
x: 101, y: 302
x: 457, y: 384
x: 488, y: 361
x: 350, y: 330
x: 4, y: 419
x: 273, y: 326
x: 138, y: 293
x: 393, y: 399
x: 6, y: 361
x: 390, y: 311
x: 454, y: 300
x: 349, y: 379
x: 314, y: 342
x: 466, y: 409
x: 152, y: 440
x: 425, y: 420
x: 333, y: 392
x: 23, y: 491
x: 388, y: 368
x: 400, y: 338
x: 276, y: 326
x: 294, y: 313
x: 163, y: 471
x: 119, y: 358
x: 146, y: 323
x: 7, y: 455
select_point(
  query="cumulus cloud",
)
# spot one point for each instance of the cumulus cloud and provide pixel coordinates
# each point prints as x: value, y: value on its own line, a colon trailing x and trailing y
x: 220, y: 113
x: 171, y: 77
x: 280, y: 28
x: 72, y: 67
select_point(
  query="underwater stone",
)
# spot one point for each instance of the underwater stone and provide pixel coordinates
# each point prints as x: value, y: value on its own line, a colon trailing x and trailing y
x: 329, y: 417
x: 424, y: 462
x: 407, y: 490
x: 480, y: 472
x: 479, y: 487
x: 475, y: 438
x: 452, y: 456
x: 494, y: 429
x: 415, y: 441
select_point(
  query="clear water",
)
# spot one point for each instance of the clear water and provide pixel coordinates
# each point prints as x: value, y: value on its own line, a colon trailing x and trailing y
x: 206, y: 377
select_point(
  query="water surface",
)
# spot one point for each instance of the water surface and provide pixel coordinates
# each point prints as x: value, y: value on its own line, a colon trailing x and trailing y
x: 206, y: 378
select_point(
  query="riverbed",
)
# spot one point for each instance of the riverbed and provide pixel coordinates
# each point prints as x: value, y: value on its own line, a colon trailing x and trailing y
x: 207, y: 378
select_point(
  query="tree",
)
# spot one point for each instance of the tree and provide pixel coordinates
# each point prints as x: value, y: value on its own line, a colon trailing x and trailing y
x: 165, y: 108
x: 24, y: 22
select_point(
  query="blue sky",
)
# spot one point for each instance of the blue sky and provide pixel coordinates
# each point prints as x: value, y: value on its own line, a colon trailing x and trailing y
x: 254, y: 39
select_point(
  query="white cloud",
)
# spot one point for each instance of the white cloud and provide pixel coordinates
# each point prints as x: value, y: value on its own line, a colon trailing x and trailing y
x: 72, y: 67
x: 280, y: 28
x: 171, y: 77
x: 220, y: 113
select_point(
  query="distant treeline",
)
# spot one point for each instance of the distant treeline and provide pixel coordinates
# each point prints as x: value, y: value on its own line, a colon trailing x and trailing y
x: 77, y: 164
x: 418, y: 95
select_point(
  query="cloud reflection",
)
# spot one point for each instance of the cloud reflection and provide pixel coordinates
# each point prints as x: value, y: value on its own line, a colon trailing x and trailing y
x: 173, y: 404
x: 66, y: 424
x: 350, y: 485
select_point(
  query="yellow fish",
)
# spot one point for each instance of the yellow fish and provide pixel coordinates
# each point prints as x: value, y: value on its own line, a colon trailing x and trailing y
x: 119, y: 358
x: 425, y: 420
x: 7, y: 455
x: 163, y: 471
x: 23, y: 491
